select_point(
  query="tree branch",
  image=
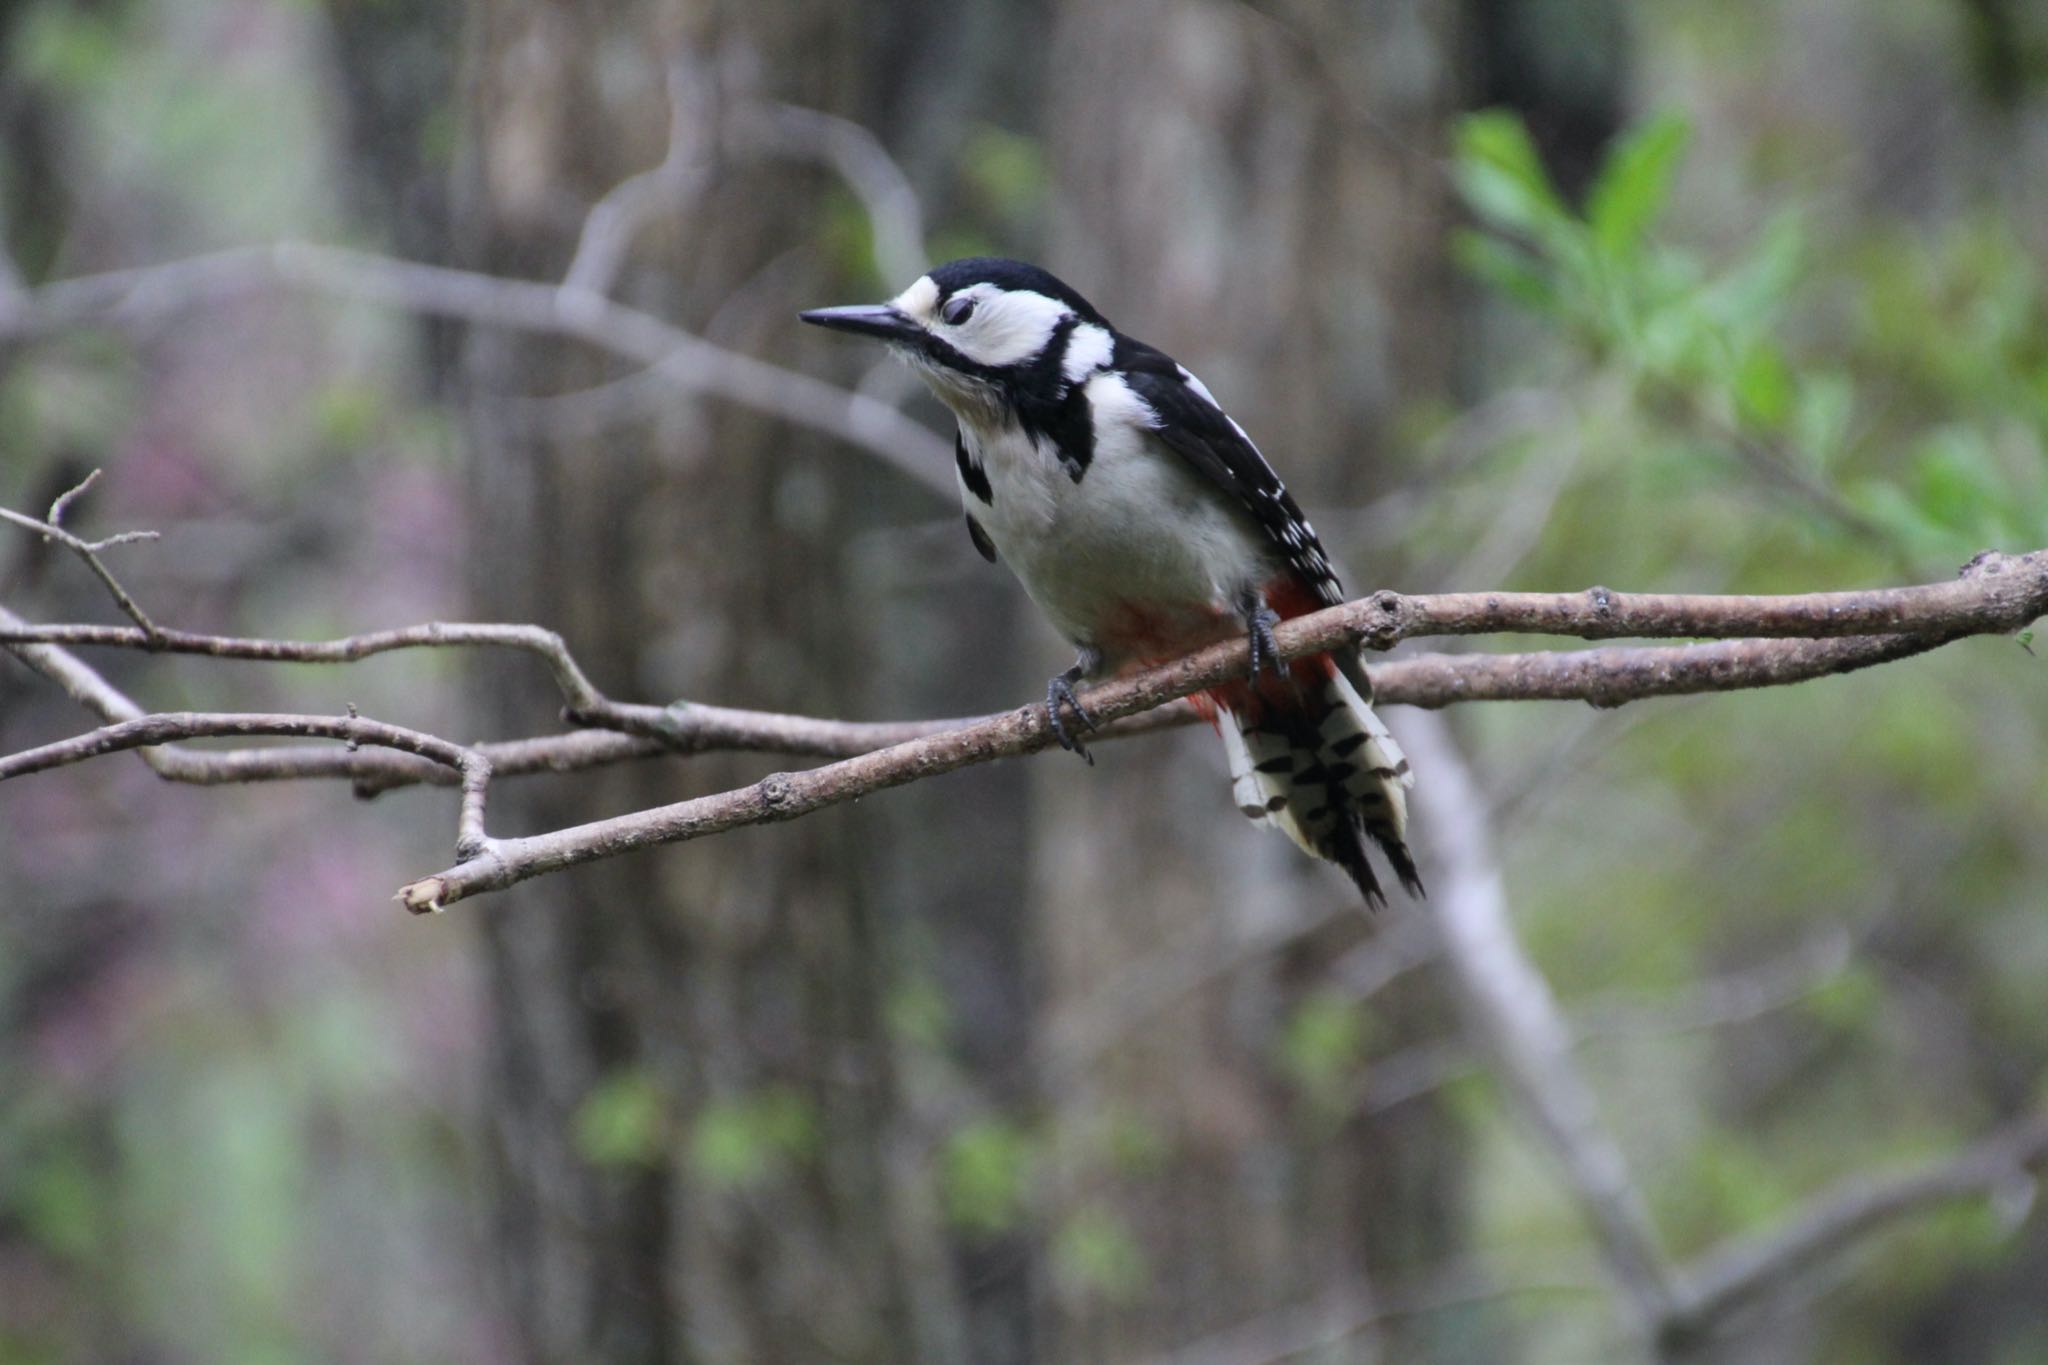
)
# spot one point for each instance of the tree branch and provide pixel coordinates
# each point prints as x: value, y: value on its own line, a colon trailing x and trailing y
x: 1739, y: 1273
x: 1994, y: 592
x: 135, y: 297
x: 1999, y: 592
x: 89, y: 550
x: 148, y: 731
x: 1516, y: 1020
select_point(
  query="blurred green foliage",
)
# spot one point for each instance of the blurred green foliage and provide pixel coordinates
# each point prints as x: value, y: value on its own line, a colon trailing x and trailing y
x: 1860, y: 420
x: 1095, y: 1254
x: 749, y: 1139
x: 1321, y: 1047
x: 623, y: 1121
x: 985, y: 1173
x: 1826, y: 399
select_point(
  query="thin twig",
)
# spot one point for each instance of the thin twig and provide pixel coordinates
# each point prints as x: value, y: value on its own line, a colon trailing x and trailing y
x: 616, y: 219
x: 577, y: 690
x: 63, y: 501
x: 144, y: 295
x: 1428, y: 680
x: 1715, y: 1003
x: 1295, y: 1333
x: 353, y: 730
x: 1994, y: 593
x: 894, y: 211
x: 1737, y: 1274
x: 89, y: 551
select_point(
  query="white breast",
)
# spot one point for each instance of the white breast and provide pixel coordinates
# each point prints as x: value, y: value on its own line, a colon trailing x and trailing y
x: 1141, y: 532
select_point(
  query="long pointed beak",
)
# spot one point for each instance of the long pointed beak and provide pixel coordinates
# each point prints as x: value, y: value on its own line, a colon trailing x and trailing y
x: 866, y: 319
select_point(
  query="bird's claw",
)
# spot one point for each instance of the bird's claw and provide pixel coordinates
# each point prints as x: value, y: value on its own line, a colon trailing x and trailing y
x: 1058, y: 692
x: 1265, y: 649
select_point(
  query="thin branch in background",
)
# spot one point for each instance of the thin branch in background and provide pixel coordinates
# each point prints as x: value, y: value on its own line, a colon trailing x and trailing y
x: 616, y: 219
x: 1735, y: 998
x: 53, y: 531
x: 1511, y: 1009
x: 352, y: 729
x: 146, y: 295
x: 895, y: 214
x: 1288, y: 1333
x: 1740, y: 1273
x: 1515, y: 1019
x: 372, y: 771
x: 1080, y: 1033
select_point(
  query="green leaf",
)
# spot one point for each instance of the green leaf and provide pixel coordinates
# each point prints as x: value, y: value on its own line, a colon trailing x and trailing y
x: 746, y: 1140
x: 1634, y: 183
x: 1820, y: 423
x: 64, y: 1207
x: 917, y: 1013
x: 620, y: 1122
x: 1507, y: 268
x: 1096, y: 1252
x: 1764, y: 386
x: 1498, y: 171
x: 984, y: 1172
x: 1324, y: 1040
x: 1852, y: 1000
x: 1958, y: 484
x: 1006, y: 169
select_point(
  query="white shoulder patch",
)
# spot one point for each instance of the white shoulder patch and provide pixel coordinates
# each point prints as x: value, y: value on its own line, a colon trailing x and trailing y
x: 1088, y: 350
x: 1115, y: 406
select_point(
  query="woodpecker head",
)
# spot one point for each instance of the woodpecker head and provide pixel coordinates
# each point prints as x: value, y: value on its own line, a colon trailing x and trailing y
x: 981, y: 328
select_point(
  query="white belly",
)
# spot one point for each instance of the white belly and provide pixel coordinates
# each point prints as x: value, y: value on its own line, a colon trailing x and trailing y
x: 1141, y: 535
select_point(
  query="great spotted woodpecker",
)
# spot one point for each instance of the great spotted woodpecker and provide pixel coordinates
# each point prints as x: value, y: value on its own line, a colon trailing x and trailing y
x: 1144, y: 522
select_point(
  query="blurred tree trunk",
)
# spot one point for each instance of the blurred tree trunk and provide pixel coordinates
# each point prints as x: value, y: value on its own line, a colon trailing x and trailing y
x: 688, y: 1090
x: 1254, y: 192
x: 703, y: 1148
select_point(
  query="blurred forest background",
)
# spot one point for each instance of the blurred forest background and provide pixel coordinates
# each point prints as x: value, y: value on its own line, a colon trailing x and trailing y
x: 1033, y: 1062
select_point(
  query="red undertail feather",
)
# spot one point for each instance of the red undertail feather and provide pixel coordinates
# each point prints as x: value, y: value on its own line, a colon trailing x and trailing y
x: 1309, y: 757
x: 1307, y: 754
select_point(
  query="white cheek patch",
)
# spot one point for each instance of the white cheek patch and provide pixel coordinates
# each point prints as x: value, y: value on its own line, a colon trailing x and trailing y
x: 1006, y: 328
x: 1088, y: 350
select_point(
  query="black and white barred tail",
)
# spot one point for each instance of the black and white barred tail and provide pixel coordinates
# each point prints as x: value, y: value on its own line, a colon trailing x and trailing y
x: 1318, y: 765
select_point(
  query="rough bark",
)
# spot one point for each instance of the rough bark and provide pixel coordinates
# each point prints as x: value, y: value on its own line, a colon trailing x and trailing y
x: 710, y: 982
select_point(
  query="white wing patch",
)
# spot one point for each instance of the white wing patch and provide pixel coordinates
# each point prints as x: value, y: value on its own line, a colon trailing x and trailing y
x: 1187, y: 377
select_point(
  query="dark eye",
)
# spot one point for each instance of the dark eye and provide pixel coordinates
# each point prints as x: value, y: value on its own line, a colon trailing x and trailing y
x: 957, y: 310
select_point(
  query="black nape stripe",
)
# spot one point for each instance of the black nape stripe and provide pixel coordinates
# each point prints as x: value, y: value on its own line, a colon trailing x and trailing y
x: 1051, y: 410
x: 973, y: 476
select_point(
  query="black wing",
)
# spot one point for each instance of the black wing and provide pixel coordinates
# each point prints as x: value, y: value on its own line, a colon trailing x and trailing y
x: 1201, y: 433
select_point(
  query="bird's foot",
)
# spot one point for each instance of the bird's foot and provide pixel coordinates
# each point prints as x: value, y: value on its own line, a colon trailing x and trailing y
x: 1060, y: 692
x: 1259, y: 620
